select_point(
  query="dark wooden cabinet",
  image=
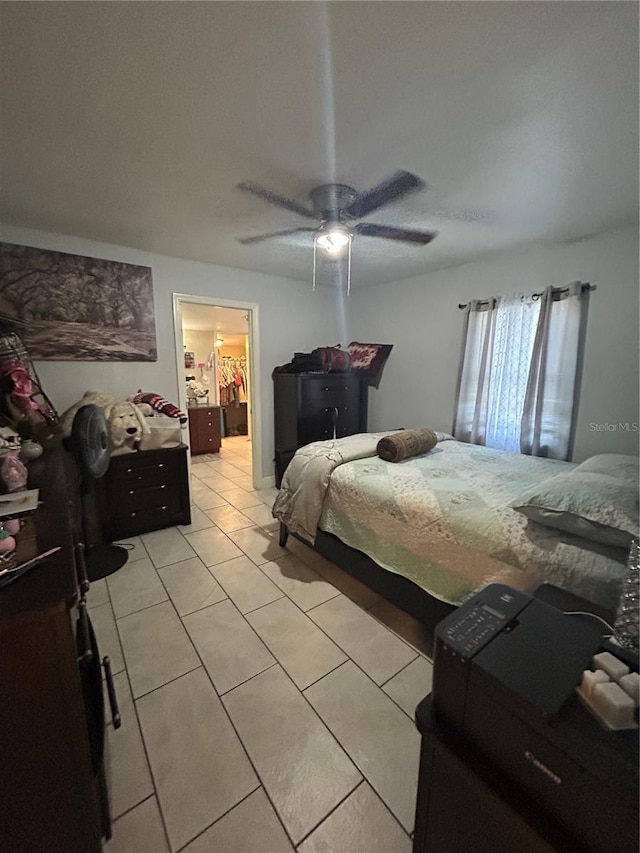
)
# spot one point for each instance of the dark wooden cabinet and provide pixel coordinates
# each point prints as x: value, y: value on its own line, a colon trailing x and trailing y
x: 315, y: 407
x: 53, y: 794
x: 204, y: 429
x: 144, y: 491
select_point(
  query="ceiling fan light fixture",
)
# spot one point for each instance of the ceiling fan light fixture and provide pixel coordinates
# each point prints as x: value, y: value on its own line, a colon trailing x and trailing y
x: 333, y: 240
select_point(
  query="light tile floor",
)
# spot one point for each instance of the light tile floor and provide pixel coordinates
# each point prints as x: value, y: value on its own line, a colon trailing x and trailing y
x: 267, y: 697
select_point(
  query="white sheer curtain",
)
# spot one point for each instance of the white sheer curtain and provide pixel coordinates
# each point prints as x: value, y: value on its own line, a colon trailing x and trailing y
x: 517, y: 386
x: 552, y: 388
x: 516, y: 320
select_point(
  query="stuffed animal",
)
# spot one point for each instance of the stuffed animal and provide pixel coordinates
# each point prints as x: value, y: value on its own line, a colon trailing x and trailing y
x: 145, y: 408
x: 95, y: 397
x: 126, y: 425
x: 159, y: 404
x: 125, y: 421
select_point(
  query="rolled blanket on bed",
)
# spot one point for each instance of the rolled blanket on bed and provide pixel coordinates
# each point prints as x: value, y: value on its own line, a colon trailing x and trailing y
x: 408, y: 442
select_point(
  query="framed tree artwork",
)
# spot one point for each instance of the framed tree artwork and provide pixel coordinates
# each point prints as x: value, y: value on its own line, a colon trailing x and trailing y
x: 78, y: 308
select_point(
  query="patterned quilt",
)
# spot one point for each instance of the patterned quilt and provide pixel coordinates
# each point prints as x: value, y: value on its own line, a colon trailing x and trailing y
x: 443, y: 520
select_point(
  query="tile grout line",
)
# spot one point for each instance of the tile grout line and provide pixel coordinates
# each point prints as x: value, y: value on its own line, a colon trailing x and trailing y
x: 277, y: 662
x: 335, y: 642
x: 132, y: 808
x: 364, y: 610
x: 142, y: 738
x: 166, y: 683
x: 218, y: 819
x: 141, y: 609
x: 363, y: 781
x: 399, y: 671
x: 344, y: 748
x: 231, y: 723
x: 322, y: 723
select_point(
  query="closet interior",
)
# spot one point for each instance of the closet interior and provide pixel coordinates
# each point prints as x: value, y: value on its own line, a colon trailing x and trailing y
x: 216, y: 373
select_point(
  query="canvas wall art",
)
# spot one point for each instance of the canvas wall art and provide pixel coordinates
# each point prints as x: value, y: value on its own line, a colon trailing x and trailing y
x: 77, y: 308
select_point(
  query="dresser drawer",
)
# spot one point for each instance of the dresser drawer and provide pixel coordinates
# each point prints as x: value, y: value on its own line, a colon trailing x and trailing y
x: 142, y: 496
x: 147, y: 474
x: 206, y: 413
x: 208, y: 444
x: 128, y: 522
x: 317, y: 395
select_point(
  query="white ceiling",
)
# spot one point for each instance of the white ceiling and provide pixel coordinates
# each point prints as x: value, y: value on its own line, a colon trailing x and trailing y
x: 131, y: 123
x: 230, y: 324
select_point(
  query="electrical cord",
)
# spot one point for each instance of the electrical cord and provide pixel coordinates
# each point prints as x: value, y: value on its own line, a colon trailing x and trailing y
x: 593, y: 616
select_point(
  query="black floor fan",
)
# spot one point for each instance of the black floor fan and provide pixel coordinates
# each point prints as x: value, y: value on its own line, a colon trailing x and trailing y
x: 91, y: 447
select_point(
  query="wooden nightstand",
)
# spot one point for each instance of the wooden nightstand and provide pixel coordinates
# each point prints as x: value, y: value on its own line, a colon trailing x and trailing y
x: 144, y: 491
x: 204, y: 429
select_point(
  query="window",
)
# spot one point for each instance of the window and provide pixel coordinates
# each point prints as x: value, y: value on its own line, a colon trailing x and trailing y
x: 519, y: 371
x: 515, y: 331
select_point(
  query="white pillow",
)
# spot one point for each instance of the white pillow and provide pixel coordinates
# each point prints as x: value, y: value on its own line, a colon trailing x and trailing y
x: 613, y: 465
x: 591, y: 505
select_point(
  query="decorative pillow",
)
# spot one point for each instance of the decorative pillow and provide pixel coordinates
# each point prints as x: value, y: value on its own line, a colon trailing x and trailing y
x: 613, y: 465
x: 408, y: 442
x: 369, y: 359
x: 590, y: 505
x: 157, y: 402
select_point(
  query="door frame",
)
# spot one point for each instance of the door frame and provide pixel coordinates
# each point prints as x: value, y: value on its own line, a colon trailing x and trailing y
x: 255, y: 403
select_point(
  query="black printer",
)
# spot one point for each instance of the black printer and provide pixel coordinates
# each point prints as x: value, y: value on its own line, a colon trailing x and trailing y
x: 505, y: 671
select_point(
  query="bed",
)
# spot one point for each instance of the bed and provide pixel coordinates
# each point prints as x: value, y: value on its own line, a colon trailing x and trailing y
x: 436, y: 528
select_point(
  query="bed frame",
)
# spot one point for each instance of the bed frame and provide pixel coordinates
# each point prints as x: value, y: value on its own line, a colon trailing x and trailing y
x: 394, y: 588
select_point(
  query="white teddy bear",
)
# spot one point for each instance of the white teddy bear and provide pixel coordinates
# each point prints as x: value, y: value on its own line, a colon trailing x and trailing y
x: 126, y: 425
x: 124, y: 419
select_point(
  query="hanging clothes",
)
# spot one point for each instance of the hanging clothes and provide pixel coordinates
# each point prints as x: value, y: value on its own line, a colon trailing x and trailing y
x: 233, y: 380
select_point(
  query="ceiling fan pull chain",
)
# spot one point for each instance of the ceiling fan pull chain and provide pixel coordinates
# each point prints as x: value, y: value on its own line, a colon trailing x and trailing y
x: 314, y: 264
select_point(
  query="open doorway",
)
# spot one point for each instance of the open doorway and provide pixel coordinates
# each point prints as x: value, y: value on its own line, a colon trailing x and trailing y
x: 216, y: 358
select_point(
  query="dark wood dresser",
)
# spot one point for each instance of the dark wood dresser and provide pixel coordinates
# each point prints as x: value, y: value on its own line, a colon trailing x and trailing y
x: 204, y: 429
x: 144, y: 491
x: 53, y: 794
x: 314, y: 407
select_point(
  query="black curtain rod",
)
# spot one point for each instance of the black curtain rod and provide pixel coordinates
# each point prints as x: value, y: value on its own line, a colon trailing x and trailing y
x: 585, y: 286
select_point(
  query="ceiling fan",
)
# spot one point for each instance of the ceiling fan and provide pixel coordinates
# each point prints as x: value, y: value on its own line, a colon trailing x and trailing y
x: 337, y: 205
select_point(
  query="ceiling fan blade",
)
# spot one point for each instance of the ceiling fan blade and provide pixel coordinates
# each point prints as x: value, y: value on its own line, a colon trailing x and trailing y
x: 278, y: 200
x: 246, y: 241
x: 388, y: 232
x: 401, y: 184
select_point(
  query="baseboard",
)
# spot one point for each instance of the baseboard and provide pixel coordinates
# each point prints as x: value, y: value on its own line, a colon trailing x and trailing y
x: 265, y: 482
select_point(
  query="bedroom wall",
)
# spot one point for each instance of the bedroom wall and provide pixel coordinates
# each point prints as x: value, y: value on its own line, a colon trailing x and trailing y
x: 292, y: 318
x: 420, y: 316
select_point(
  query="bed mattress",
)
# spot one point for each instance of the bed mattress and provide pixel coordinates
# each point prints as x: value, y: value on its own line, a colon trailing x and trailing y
x: 443, y: 520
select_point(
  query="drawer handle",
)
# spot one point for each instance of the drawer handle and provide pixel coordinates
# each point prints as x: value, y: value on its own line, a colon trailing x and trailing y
x: 83, y: 619
x: 325, y: 389
x: 83, y: 579
x: 147, y: 468
x: 111, y: 690
x: 133, y: 514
